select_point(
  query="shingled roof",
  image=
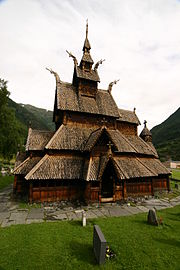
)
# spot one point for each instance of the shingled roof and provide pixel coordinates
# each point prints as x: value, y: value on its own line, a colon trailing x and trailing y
x: 139, y: 145
x: 37, y: 139
x: 84, y: 139
x: 87, y: 58
x: 128, y: 116
x: 125, y: 167
x: 20, y: 157
x: 91, y: 75
x: 130, y: 167
x: 68, y: 99
x: 154, y: 165
x: 150, y: 144
x: 26, y: 165
x: 57, y: 167
x: 69, y: 138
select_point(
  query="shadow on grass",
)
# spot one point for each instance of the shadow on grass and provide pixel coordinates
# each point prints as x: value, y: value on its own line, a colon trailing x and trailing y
x: 83, y: 252
x: 142, y: 222
x: 170, y: 242
x: 76, y: 223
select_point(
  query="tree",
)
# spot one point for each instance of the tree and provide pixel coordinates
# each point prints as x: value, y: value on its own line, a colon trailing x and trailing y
x: 4, y: 93
x: 11, y: 131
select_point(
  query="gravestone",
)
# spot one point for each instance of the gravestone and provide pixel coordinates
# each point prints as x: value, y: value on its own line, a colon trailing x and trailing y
x: 99, y: 245
x: 152, y: 217
x: 83, y: 219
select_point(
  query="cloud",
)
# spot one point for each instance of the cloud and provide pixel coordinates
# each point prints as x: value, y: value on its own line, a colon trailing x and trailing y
x: 139, y: 40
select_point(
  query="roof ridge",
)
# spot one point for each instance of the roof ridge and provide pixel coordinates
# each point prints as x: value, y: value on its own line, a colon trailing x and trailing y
x: 147, y: 145
x: 110, y: 137
x: 36, y: 167
x: 126, y: 110
x: 128, y: 142
x: 146, y: 166
x: 28, y: 137
x: 124, y: 174
x: 100, y: 128
x: 53, y: 137
x: 153, y: 149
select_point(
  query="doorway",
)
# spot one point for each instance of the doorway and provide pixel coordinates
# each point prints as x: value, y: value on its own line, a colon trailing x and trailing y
x: 107, y: 181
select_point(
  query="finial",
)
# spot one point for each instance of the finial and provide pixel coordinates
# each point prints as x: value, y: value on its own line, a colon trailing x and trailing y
x: 98, y: 63
x: 145, y: 122
x: 55, y: 74
x: 86, y: 28
x: 51, y: 71
x: 134, y: 110
x: 111, y: 85
x: 30, y: 124
x: 73, y: 57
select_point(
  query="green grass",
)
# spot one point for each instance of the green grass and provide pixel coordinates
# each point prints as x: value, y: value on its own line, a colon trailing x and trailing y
x: 176, y: 174
x: 5, y: 181
x: 68, y: 245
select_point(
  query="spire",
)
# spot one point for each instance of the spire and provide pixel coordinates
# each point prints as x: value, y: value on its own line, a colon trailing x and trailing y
x: 146, y: 135
x: 84, y: 76
x: 87, y: 46
x: 86, y: 28
x: 86, y: 61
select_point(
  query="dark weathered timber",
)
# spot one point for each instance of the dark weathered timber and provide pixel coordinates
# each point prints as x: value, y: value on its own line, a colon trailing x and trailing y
x: 75, y: 162
x: 99, y: 245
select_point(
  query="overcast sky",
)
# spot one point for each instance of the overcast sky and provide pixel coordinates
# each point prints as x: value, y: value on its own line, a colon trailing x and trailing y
x: 140, y: 40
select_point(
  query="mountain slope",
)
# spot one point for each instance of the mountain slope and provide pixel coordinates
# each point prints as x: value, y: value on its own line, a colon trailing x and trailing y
x: 166, y: 137
x: 39, y: 118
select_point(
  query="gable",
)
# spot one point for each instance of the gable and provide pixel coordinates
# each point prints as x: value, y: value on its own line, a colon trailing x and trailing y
x: 37, y: 139
x: 69, y: 100
x: 69, y: 138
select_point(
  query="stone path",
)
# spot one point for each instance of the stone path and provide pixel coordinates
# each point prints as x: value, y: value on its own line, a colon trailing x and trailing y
x: 11, y: 214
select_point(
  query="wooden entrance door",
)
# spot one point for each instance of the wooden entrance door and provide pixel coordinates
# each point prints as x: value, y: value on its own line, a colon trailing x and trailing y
x: 107, y: 182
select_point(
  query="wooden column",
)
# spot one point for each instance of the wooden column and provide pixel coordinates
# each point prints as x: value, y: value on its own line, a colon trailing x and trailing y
x: 114, y: 190
x: 168, y: 184
x: 100, y: 186
x: 88, y: 192
x: 124, y: 189
x: 15, y: 184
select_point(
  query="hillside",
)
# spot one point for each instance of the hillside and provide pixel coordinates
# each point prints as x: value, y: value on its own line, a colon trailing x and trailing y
x: 39, y: 118
x: 166, y: 137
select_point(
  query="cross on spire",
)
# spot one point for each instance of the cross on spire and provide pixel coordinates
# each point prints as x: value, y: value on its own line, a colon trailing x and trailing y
x: 110, y: 144
x: 145, y: 122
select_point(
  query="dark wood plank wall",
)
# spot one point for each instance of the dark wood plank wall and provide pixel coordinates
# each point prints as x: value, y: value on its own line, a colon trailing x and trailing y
x: 127, y: 128
x: 40, y: 191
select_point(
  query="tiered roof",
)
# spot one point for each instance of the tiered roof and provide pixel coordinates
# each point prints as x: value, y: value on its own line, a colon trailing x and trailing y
x: 68, y: 152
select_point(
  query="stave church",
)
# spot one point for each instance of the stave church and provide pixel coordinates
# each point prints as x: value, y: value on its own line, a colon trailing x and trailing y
x: 95, y: 153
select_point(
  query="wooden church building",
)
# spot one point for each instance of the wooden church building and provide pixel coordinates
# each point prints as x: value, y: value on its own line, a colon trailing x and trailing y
x: 95, y: 153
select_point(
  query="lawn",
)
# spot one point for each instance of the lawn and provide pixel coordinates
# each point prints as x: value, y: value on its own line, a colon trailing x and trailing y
x: 68, y: 245
x: 5, y: 181
x: 176, y: 174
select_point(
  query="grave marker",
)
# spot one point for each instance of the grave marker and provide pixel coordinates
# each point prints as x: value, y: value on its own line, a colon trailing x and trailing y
x: 152, y: 217
x: 99, y: 245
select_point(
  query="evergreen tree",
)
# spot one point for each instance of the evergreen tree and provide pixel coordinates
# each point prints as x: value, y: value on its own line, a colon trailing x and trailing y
x: 11, y: 131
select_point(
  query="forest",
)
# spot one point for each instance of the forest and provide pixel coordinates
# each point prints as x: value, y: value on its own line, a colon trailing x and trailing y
x: 14, y: 122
